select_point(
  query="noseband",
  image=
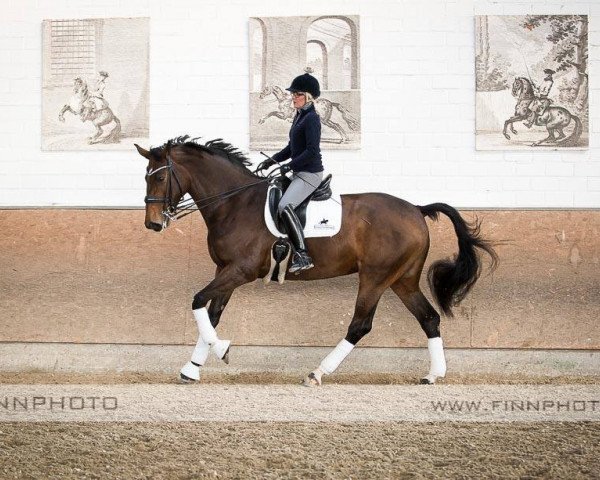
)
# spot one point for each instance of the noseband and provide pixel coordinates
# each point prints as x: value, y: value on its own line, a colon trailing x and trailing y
x: 167, y: 202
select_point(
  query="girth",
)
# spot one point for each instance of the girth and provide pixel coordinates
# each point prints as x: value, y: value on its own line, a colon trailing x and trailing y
x: 280, y: 185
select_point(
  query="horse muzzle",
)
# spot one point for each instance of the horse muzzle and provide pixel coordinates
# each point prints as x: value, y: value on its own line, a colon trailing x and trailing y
x: 157, y: 227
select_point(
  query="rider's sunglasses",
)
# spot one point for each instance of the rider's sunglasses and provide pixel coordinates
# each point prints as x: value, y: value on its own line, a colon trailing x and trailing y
x: 297, y: 94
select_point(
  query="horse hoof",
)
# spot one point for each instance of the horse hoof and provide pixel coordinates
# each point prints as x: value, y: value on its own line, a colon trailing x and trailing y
x: 189, y: 373
x: 429, y: 379
x: 221, y: 350
x: 311, y: 381
x: 507, y: 136
x: 185, y: 379
x: 226, y: 357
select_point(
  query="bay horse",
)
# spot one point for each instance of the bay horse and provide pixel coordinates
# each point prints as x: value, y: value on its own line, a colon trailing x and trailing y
x: 554, y: 118
x: 383, y: 238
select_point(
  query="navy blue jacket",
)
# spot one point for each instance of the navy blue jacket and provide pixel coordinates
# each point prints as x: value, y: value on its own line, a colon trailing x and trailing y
x: 303, y: 148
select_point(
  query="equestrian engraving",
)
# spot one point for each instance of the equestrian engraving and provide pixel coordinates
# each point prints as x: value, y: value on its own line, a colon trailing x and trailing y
x: 327, y: 47
x: 95, y: 83
x: 93, y: 108
x: 542, y: 62
x: 323, y: 106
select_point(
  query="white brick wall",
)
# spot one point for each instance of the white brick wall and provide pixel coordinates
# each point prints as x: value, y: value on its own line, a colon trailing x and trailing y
x: 417, y: 96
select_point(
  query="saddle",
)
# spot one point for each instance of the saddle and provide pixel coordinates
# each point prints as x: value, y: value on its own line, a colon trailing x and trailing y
x: 541, y: 104
x: 278, y: 187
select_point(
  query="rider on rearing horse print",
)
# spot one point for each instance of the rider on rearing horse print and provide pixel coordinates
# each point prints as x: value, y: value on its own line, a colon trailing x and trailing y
x: 305, y: 152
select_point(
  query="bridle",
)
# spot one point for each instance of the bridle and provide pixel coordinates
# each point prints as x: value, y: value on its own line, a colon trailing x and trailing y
x: 173, y: 211
x: 169, y: 209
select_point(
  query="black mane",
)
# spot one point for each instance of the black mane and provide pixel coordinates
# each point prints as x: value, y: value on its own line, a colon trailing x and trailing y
x: 216, y: 147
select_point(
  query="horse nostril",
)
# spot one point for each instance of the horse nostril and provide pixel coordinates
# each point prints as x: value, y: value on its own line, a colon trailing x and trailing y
x: 157, y: 227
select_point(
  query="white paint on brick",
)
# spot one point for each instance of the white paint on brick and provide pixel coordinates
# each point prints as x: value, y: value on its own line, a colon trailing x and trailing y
x: 418, y: 113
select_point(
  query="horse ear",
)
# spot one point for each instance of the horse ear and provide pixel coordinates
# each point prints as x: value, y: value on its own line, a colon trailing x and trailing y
x: 142, y: 152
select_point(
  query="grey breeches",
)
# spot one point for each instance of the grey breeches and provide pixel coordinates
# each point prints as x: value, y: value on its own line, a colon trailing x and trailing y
x: 303, y: 184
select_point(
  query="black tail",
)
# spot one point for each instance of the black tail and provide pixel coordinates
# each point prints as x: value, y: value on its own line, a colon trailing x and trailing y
x: 451, y: 280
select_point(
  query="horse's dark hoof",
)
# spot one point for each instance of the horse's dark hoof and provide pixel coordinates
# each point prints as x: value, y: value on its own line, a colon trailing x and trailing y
x: 507, y: 136
x: 186, y: 379
x: 425, y: 381
x: 226, y: 357
x: 311, y: 381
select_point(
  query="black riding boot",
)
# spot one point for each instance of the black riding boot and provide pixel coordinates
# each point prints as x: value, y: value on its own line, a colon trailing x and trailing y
x: 300, y: 259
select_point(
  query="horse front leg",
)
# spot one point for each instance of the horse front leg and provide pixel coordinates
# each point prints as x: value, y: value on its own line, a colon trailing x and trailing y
x: 510, y: 122
x: 218, y: 292
x: 66, y: 108
x: 191, y: 370
x: 280, y: 115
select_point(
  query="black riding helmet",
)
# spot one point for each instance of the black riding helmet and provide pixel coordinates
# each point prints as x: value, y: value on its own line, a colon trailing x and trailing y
x: 305, y: 83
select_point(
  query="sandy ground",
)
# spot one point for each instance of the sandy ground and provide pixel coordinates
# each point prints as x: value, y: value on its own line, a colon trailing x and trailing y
x: 271, y: 449
x: 299, y: 450
x: 40, y: 377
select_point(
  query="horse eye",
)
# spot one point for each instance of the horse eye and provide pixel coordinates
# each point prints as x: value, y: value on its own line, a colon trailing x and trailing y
x: 161, y: 178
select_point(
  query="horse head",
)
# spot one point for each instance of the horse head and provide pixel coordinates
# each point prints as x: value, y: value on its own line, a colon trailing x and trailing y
x: 164, y: 187
x: 522, y: 88
x: 516, y: 87
x: 80, y: 86
x: 268, y: 90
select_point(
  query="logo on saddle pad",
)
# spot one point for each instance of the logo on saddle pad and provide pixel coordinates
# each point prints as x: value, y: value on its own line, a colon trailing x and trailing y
x: 324, y: 224
x: 322, y: 218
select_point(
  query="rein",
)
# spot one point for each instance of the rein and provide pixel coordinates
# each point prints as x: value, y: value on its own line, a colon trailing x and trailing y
x: 174, y: 211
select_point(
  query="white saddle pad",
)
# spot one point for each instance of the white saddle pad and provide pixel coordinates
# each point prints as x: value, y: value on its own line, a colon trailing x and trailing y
x: 323, y: 219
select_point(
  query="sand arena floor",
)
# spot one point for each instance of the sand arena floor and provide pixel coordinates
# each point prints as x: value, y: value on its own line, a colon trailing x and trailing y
x: 300, y: 449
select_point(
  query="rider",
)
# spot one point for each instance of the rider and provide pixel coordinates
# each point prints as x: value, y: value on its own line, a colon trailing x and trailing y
x: 100, y: 85
x: 96, y: 100
x: 541, y: 102
x: 304, y: 150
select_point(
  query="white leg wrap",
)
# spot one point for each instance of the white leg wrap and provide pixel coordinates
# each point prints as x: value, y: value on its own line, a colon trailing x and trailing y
x: 200, y: 352
x: 208, y: 334
x: 192, y: 368
x: 191, y: 371
x: 332, y: 361
x: 205, y: 328
x: 437, y: 367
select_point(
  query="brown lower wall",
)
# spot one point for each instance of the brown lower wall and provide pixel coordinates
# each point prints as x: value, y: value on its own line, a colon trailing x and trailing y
x: 99, y: 276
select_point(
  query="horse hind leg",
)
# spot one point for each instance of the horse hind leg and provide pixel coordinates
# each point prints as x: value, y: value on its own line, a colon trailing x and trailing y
x: 369, y: 294
x: 549, y: 139
x: 96, y: 136
x: 409, y: 292
x: 338, y: 128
